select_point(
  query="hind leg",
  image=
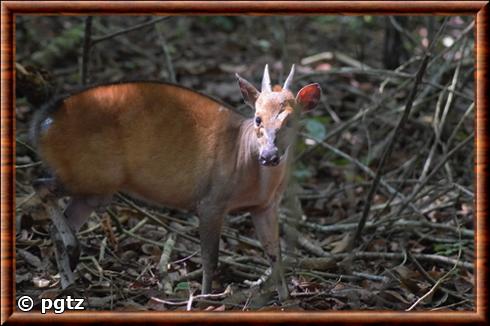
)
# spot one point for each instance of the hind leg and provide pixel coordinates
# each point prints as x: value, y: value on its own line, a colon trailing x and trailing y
x: 66, y: 246
x: 210, y: 223
x: 63, y: 232
x: 48, y: 187
x: 64, y: 228
x: 80, y: 207
x: 77, y: 213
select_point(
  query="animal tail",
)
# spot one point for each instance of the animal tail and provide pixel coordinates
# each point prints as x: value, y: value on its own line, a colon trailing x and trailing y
x: 41, y: 119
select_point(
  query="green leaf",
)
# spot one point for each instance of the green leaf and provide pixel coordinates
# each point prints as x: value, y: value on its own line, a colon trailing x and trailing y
x: 316, y: 129
x: 221, y: 22
x: 302, y: 172
x: 182, y: 286
x: 326, y: 19
x: 340, y: 161
x: 461, y: 135
x: 264, y: 44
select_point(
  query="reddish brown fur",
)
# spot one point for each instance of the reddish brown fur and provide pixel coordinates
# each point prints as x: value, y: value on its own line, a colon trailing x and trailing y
x: 178, y: 148
x: 157, y: 141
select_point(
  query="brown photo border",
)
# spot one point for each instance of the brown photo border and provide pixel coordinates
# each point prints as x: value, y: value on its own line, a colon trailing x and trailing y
x: 7, y: 278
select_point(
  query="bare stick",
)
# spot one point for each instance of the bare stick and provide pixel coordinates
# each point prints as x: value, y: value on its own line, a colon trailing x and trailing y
x: 346, y: 124
x: 364, y: 168
x: 441, y: 280
x: 166, y: 53
x: 65, y: 243
x: 127, y: 30
x: 262, y: 279
x: 192, y: 297
x: 460, y: 122
x: 434, y: 171
x: 206, y: 296
x: 322, y: 263
x: 389, y: 149
x: 166, y: 252
x: 394, y: 255
x: 432, y: 280
x: 402, y: 223
x: 399, y: 28
x: 87, y: 43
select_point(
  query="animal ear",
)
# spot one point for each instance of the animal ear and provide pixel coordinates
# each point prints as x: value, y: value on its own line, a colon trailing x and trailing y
x: 309, y: 96
x: 249, y: 92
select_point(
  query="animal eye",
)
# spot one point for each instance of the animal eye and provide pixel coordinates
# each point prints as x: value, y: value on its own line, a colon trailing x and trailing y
x: 258, y: 121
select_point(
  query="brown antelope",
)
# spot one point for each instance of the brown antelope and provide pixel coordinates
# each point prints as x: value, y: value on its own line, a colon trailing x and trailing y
x: 175, y: 147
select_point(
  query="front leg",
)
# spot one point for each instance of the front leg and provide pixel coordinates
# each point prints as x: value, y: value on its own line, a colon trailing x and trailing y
x: 267, y: 229
x: 210, y: 223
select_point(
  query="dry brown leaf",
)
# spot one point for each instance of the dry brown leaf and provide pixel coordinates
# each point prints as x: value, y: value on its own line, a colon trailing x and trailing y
x: 342, y: 245
x: 394, y: 295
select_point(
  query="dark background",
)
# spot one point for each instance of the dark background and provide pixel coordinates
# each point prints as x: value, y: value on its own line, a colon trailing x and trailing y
x: 418, y: 241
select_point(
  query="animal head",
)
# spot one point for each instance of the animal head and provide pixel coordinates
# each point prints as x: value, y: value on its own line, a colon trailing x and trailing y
x: 275, y: 111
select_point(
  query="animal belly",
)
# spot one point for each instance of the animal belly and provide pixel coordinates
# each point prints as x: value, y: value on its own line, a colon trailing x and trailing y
x: 162, y: 194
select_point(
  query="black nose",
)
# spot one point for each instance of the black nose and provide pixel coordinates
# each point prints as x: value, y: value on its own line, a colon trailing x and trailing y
x: 275, y: 159
x: 269, y: 158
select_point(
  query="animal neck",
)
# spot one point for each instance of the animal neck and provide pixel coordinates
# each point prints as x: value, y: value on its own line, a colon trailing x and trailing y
x: 247, y: 145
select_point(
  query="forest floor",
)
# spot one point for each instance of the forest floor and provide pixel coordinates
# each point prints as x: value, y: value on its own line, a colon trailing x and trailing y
x: 416, y: 250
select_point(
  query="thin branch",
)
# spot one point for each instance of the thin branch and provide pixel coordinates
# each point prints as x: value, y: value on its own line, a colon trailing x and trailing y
x: 166, y: 252
x: 358, y: 116
x: 293, y: 264
x: 394, y: 255
x: 434, y: 171
x: 460, y: 122
x: 364, y: 168
x: 432, y: 280
x: 127, y: 30
x: 188, y: 303
x: 406, y: 224
x: 262, y: 279
x: 389, y: 149
x: 381, y: 73
x: 400, y: 29
x: 442, y: 279
x: 87, y: 43
x: 166, y: 53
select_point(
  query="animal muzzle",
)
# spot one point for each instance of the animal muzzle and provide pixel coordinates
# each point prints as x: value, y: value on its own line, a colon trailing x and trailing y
x: 269, y: 157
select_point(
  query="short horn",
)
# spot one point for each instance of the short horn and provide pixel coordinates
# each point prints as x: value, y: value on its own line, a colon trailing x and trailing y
x: 266, y: 80
x: 289, y: 80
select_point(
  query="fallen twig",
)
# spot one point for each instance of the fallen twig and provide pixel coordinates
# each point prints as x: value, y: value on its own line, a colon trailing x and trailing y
x: 398, y: 223
x: 166, y: 252
x: 434, y: 171
x: 439, y: 281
